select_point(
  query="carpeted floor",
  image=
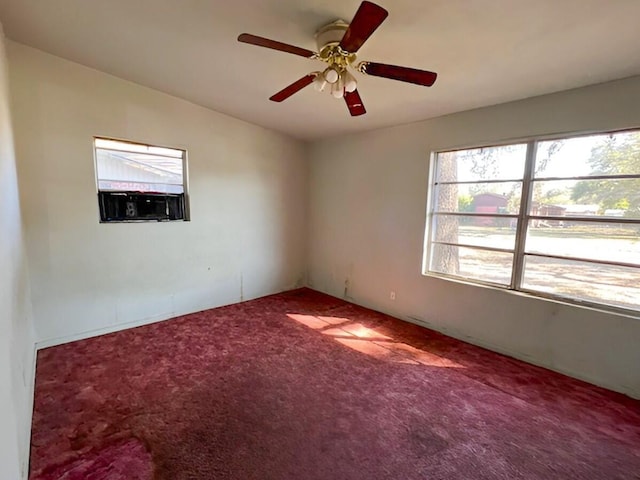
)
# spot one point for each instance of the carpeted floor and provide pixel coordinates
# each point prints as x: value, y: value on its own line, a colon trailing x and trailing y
x: 304, y: 386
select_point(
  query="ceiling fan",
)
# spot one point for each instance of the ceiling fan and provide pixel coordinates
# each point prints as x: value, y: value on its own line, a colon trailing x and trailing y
x: 338, y: 43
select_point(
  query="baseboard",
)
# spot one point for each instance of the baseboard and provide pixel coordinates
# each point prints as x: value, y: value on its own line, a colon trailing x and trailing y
x: 52, y: 342
x: 518, y: 356
x: 24, y: 464
x: 494, y: 348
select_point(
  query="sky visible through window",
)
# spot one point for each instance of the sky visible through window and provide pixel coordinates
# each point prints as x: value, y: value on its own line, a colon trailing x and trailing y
x: 581, y: 233
x: 136, y: 167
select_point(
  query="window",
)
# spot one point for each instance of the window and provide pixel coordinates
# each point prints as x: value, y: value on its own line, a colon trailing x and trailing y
x: 557, y: 218
x: 139, y: 182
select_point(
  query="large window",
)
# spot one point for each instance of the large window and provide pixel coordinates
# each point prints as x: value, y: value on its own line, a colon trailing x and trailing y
x: 558, y: 218
x: 138, y: 182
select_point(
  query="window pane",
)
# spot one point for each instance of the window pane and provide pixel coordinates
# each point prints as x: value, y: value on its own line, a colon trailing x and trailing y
x: 608, y: 154
x: 472, y: 263
x: 479, y: 197
x: 614, y: 242
x: 609, y: 198
x: 610, y: 285
x: 588, y: 188
x: 493, y: 232
x: 118, y: 171
x: 491, y: 163
x: 137, y: 147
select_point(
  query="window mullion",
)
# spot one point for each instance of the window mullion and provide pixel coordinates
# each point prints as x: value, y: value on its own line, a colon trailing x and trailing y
x: 431, y: 206
x: 525, y: 207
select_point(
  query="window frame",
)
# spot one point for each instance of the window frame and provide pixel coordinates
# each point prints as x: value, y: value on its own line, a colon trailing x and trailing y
x: 523, y: 217
x: 185, y: 178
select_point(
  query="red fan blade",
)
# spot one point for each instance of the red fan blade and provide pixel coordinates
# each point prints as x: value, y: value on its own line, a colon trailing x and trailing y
x: 293, y: 88
x: 354, y: 102
x: 404, y: 74
x: 368, y: 17
x: 283, y: 47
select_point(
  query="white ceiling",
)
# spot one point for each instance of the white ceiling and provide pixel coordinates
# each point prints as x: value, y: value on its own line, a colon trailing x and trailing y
x: 485, y: 52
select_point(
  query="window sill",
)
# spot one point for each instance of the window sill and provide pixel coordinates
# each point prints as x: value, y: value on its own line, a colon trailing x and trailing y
x: 592, y: 306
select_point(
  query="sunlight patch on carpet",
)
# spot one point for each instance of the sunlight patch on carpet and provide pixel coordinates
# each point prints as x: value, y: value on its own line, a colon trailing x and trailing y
x: 367, y: 340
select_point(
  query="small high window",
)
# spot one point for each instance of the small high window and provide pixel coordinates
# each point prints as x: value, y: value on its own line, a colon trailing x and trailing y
x: 138, y: 182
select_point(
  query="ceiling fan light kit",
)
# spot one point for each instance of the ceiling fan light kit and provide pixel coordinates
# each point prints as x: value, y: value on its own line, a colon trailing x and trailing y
x: 331, y: 74
x: 337, y: 44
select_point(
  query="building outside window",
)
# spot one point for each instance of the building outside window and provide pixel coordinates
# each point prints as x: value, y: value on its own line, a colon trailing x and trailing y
x: 553, y: 217
x: 138, y: 182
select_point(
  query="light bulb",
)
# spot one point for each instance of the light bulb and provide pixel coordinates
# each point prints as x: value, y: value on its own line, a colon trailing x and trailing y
x: 331, y: 75
x: 319, y: 83
x: 337, y: 90
x: 350, y: 83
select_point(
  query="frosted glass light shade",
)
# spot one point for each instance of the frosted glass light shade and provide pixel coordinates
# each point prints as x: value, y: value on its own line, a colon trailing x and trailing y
x: 319, y: 83
x: 337, y: 90
x: 331, y: 75
x: 350, y: 83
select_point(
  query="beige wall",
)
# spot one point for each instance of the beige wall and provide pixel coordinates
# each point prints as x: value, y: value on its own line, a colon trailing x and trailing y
x: 366, y: 230
x: 246, y: 237
x: 251, y: 192
x: 16, y: 333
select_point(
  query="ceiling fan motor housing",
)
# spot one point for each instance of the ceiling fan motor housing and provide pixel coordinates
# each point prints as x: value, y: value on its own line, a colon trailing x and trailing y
x: 330, y: 35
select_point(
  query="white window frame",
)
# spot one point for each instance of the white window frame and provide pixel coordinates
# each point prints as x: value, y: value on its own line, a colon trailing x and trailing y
x: 523, y: 217
x: 185, y: 170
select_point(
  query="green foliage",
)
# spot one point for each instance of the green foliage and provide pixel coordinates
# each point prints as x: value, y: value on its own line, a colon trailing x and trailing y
x: 543, y: 160
x: 465, y: 203
x: 615, y: 155
x: 556, y: 196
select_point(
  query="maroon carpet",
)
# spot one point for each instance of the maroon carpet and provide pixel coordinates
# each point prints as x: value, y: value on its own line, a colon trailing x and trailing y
x: 305, y: 386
